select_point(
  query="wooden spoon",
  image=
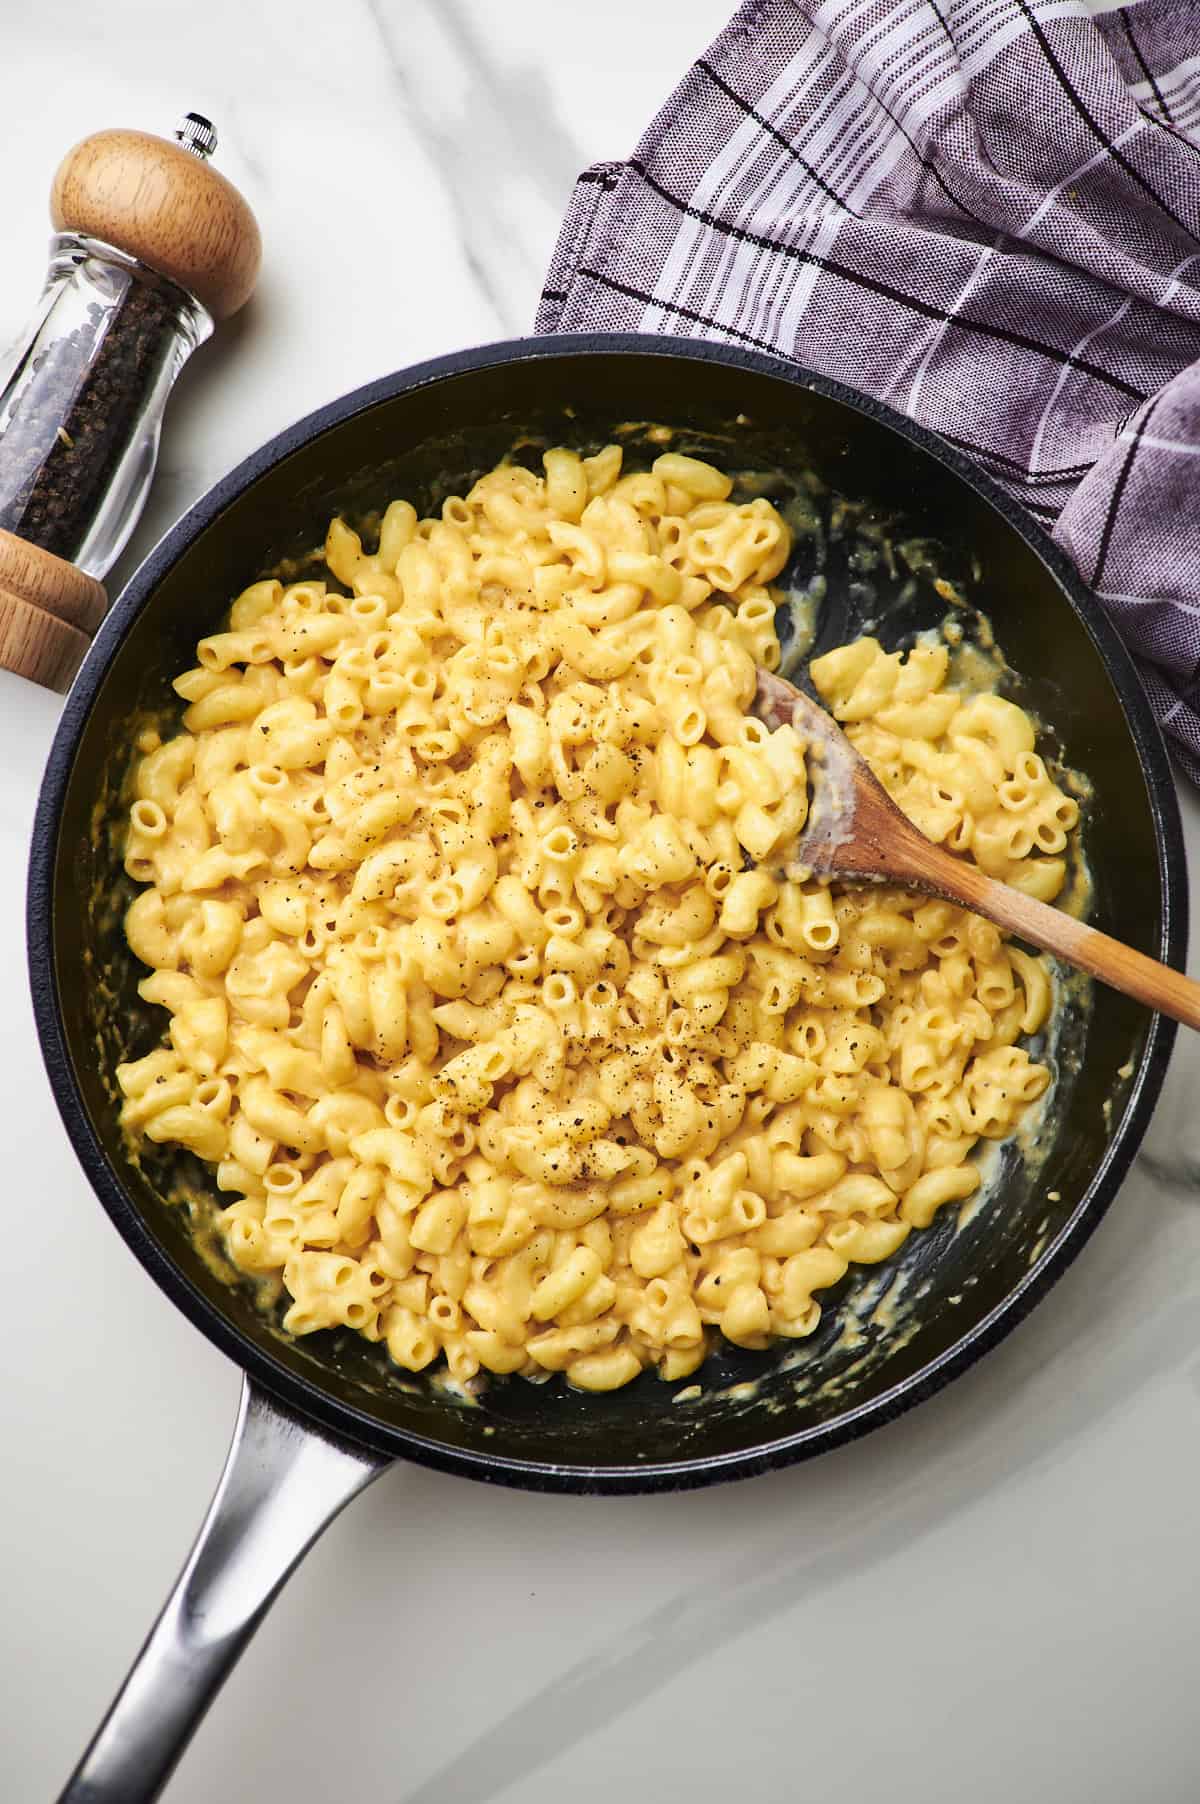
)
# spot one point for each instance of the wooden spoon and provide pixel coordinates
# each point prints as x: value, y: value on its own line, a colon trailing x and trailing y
x: 855, y: 830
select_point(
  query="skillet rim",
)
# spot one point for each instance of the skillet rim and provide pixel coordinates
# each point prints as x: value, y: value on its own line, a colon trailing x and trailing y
x: 310, y: 1401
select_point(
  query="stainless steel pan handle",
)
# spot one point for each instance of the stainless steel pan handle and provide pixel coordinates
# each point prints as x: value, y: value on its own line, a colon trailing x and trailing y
x: 282, y: 1485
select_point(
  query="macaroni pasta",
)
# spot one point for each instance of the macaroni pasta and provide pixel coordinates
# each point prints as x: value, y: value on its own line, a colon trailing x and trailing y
x: 505, y: 1040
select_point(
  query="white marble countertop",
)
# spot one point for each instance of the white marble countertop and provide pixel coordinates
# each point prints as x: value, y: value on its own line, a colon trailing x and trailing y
x: 997, y: 1596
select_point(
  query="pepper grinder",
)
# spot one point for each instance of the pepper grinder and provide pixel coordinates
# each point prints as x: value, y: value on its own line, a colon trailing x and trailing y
x: 152, y: 246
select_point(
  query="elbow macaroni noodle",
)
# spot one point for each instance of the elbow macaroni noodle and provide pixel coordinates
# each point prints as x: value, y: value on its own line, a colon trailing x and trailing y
x: 502, y: 1043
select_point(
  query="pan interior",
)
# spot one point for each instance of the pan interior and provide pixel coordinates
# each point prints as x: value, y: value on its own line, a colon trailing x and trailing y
x: 430, y: 440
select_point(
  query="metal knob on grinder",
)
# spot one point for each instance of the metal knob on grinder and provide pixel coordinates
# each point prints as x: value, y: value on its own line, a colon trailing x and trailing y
x: 151, y: 247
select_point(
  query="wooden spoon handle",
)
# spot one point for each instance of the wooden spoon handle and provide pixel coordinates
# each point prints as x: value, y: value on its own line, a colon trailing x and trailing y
x: 1114, y: 963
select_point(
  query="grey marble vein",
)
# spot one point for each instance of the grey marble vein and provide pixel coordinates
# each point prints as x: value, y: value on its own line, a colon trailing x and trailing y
x: 550, y: 154
x: 1082, y: 1360
x: 504, y: 135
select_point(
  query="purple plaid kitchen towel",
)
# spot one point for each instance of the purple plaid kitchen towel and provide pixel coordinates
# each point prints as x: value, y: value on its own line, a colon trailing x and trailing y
x: 987, y: 213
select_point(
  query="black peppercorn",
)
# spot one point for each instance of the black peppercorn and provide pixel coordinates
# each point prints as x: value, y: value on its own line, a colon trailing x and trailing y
x: 73, y: 406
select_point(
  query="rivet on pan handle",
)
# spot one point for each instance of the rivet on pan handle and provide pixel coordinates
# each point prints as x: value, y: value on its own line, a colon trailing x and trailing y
x: 283, y: 1484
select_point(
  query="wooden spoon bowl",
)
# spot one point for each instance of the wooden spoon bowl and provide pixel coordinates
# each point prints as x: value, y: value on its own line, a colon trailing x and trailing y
x: 856, y: 831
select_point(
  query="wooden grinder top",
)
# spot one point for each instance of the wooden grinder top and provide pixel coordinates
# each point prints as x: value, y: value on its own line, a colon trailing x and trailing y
x: 165, y: 206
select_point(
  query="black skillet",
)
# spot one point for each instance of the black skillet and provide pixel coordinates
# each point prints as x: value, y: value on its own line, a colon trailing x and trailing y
x: 323, y: 1415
